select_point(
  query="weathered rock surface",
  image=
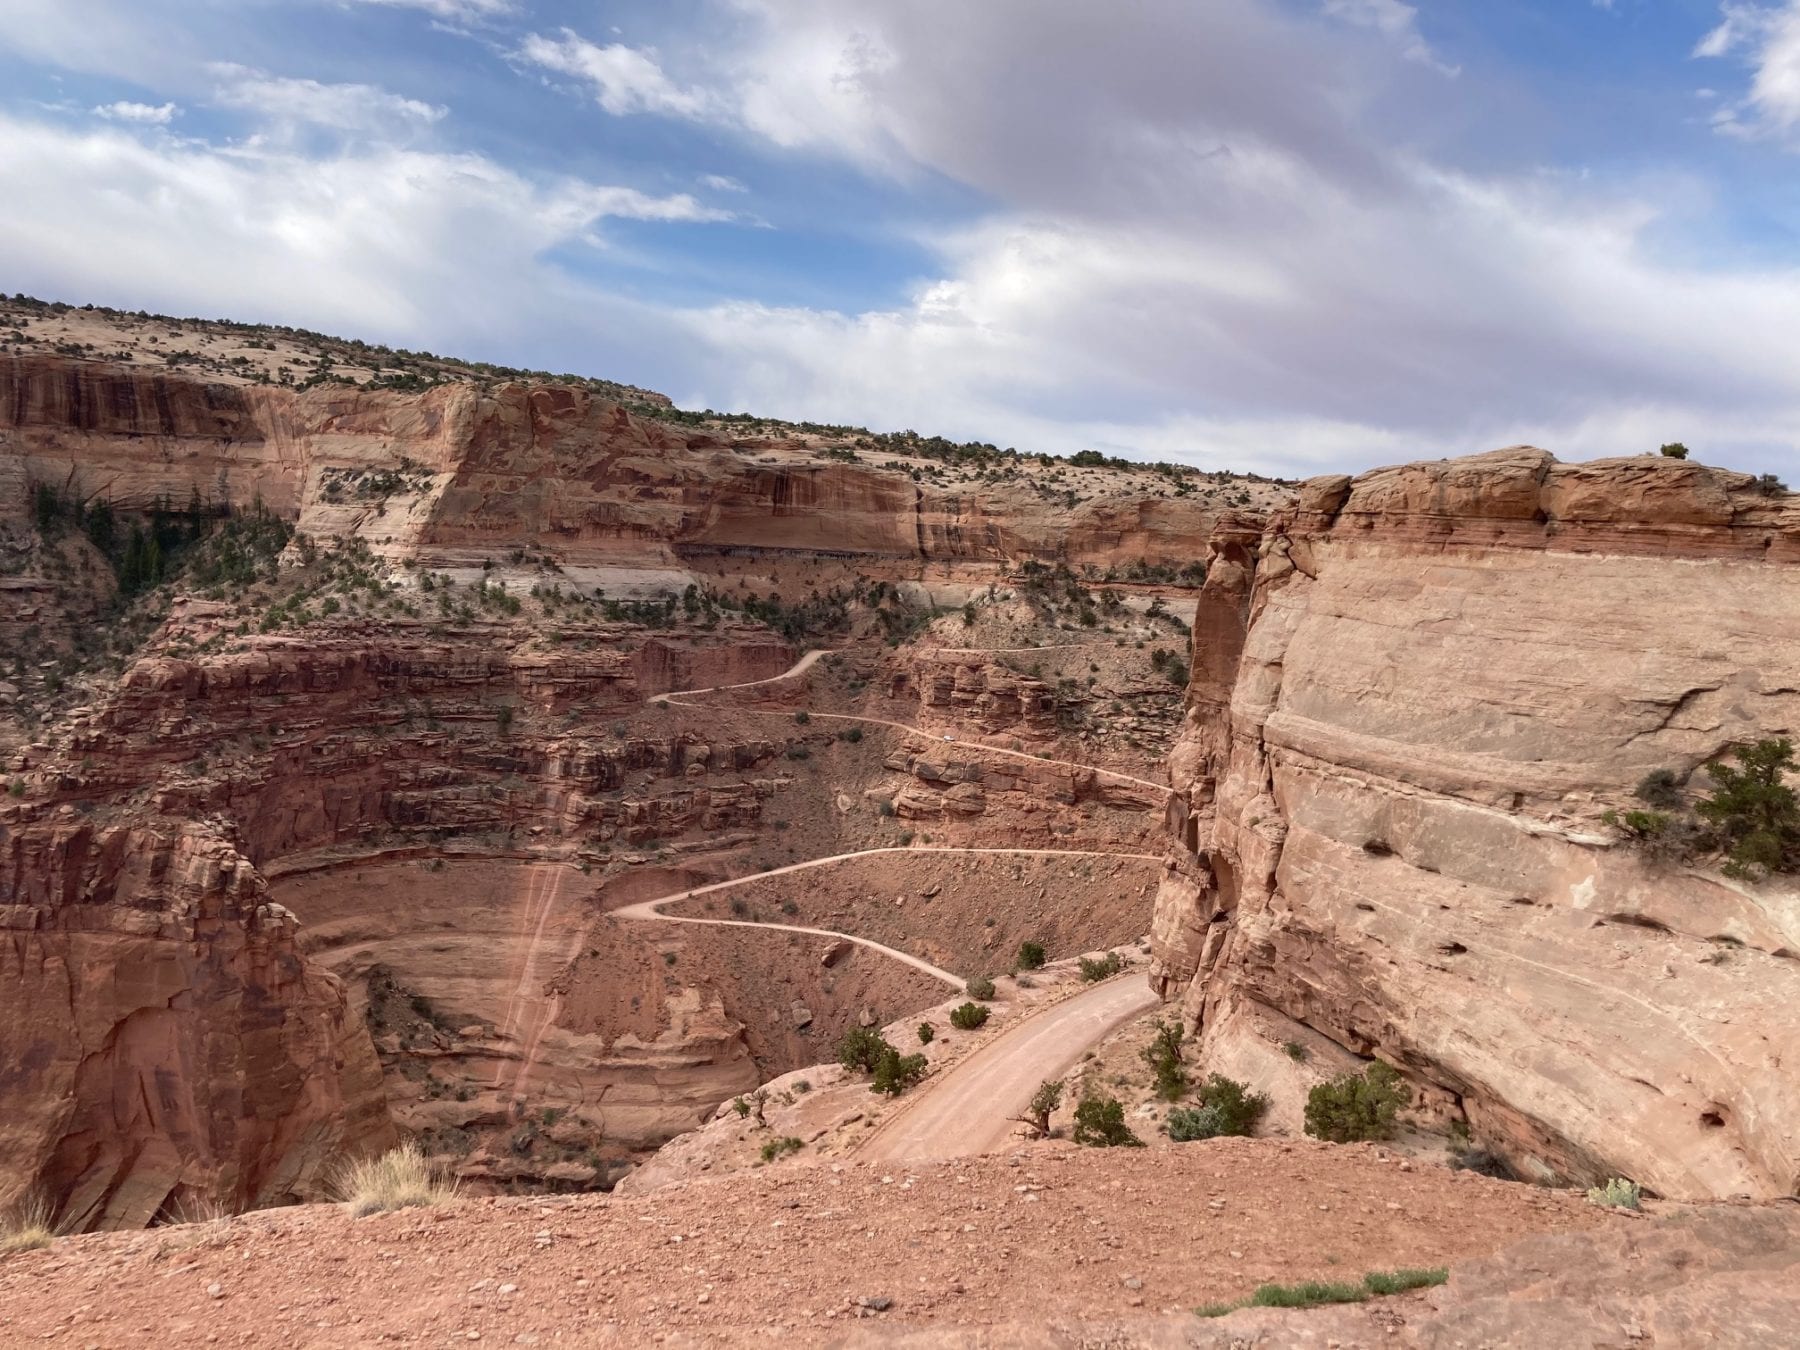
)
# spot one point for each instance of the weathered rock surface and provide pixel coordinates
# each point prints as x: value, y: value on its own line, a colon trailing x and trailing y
x: 164, y: 1045
x: 1412, y: 700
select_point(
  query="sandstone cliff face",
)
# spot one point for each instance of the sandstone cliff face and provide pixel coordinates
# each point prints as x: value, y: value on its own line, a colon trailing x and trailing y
x: 556, y: 466
x: 164, y: 1044
x: 1412, y: 699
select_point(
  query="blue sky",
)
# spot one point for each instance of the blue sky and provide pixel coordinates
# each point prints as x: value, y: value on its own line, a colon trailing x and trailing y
x: 1290, y: 235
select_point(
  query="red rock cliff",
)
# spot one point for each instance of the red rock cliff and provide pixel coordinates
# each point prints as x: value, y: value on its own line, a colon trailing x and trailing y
x: 1413, y: 698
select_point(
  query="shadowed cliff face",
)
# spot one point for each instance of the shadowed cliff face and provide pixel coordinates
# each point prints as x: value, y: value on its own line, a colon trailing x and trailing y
x: 1409, y: 711
x: 165, y: 1044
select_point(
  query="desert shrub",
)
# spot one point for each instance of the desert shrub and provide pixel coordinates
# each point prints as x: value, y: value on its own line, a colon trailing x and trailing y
x: 398, y: 1179
x: 780, y: 1148
x: 1163, y: 1055
x: 861, y: 1048
x: 1356, y: 1106
x: 1295, y: 1051
x: 927, y: 1033
x: 26, y: 1227
x: 980, y: 987
x: 1660, y: 789
x: 1032, y: 956
x: 1617, y: 1194
x: 968, y: 1017
x: 1674, y: 450
x: 1188, y: 1124
x: 802, y: 717
x: 895, y: 1072
x: 1100, y: 1123
x: 1228, y: 1108
x: 1042, y: 1106
x: 1103, y: 968
x: 1755, y: 812
x: 1239, y: 1108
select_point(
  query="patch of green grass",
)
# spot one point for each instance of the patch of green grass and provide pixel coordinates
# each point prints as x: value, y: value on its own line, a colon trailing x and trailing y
x: 1318, y: 1293
x: 1399, y: 1281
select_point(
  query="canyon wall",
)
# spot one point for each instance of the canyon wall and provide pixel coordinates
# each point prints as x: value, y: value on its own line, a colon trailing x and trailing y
x: 554, y: 467
x: 1413, y: 697
x: 165, y: 1047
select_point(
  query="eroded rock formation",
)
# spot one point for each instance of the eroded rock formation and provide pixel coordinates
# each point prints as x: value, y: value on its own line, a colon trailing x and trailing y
x: 1413, y: 698
x: 165, y: 1047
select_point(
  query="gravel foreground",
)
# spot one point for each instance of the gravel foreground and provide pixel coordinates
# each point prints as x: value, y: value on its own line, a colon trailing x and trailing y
x: 796, y: 1255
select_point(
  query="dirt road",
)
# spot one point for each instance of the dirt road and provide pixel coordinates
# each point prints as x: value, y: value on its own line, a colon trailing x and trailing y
x: 970, y: 1107
x: 805, y: 663
x: 651, y: 910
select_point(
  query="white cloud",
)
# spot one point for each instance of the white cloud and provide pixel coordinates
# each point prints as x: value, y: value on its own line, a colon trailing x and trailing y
x: 625, y: 79
x: 432, y: 249
x: 1769, y: 40
x: 1198, y: 246
x: 160, y: 114
x: 342, y: 107
x: 453, y: 10
x: 719, y: 182
x: 1397, y: 22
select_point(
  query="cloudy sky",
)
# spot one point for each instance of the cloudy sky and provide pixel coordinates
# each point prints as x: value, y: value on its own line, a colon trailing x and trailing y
x: 1290, y: 235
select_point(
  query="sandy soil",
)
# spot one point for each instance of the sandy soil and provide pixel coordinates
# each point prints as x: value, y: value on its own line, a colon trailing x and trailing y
x: 782, y: 1257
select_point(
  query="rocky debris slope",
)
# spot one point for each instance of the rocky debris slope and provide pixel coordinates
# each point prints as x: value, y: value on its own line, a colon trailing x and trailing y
x: 1414, y: 697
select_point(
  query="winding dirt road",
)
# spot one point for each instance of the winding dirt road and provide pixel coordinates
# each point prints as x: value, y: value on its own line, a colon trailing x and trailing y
x: 971, y: 1107
x: 679, y: 699
x: 646, y: 910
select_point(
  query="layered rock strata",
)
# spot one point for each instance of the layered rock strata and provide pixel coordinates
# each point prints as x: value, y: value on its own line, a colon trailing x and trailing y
x: 1413, y: 698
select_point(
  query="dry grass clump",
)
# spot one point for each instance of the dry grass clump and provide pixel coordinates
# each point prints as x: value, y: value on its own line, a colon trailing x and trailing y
x: 398, y: 1179
x: 26, y: 1226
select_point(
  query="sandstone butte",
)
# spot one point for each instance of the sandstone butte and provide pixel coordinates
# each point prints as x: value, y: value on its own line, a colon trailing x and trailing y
x: 275, y: 895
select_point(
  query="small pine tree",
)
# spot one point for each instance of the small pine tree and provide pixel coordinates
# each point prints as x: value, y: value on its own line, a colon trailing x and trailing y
x: 1163, y: 1055
x: 1755, y: 811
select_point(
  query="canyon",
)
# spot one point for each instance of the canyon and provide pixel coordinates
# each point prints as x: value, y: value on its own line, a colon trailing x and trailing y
x: 313, y: 848
x: 547, y: 777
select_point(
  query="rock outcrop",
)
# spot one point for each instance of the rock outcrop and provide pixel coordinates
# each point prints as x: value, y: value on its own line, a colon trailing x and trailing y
x: 1413, y: 698
x: 456, y: 471
x: 165, y: 1048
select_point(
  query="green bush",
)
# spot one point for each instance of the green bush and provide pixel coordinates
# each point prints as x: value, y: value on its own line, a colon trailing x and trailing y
x: 1163, y: 1055
x: 1757, y: 814
x: 895, y: 1072
x: 1032, y: 956
x: 1228, y: 1108
x: 777, y: 1148
x: 1100, y: 1123
x: 981, y: 987
x: 1104, y: 968
x: 927, y: 1033
x: 1674, y: 450
x: 1617, y: 1194
x: 968, y: 1017
x: 860, y: 1049
x: 1356, y: 1106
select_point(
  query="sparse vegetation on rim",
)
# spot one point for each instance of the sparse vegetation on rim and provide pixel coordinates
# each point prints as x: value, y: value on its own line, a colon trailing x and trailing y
x: 401, y: 1178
